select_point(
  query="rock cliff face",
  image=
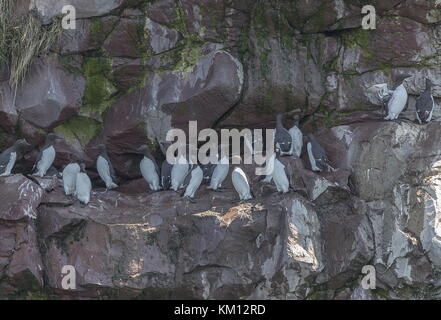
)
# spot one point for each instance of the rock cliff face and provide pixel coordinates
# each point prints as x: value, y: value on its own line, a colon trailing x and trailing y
x: 133, y: 69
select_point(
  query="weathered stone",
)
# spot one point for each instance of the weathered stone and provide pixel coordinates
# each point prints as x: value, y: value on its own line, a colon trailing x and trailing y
x: 20, y: 198
x: 49, y: 94
x: 126, y: 39
x: 88, y: 35
x: 8, y: 113
x: 171, y: 100
x: 161, y: 38
x: 128, y: 73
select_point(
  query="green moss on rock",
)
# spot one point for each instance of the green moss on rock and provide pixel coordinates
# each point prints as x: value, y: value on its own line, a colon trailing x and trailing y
x: 97, y: 66
x: 99, y: 90
x: 97, y: 26
x: 360, y: 38
x: 190, y: 51
x: 80, y: 129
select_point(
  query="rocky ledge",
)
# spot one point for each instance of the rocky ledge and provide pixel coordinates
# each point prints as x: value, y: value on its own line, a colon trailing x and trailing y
x: 381, y: 208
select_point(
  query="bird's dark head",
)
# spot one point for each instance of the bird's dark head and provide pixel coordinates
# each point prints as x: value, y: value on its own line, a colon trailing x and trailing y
x: 144, y: 149
x: 52, y: 137
x: 429, y: 84
x: 22, y: 144
x: 74, y: 158
x: 164, y: 146
x: 400, y: 79
x: 279, y: 117
x: 100, y: 148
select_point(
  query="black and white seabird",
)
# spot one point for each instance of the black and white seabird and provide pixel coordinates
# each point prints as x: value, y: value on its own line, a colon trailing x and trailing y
x: 208, y: 170
x: 424, y: 104
x: 149, y: 169
x: 9, y: 157
x: 105, y: 167
x: 179, y: 173
x: 398, y: 101
x: 282, y: 138
x: 241, y: 184
x: 269, y: 167
x: 220, y: 170
x: 280, y: 175
x: 70, y: 176
x: 193, y: 181
x: 166, y: 169
x: 317, y: 155
x: 46, y: 156
x: 83, y: 185
x: 296, y: 141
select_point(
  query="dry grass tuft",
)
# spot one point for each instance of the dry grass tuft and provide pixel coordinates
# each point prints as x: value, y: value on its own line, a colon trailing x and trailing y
x: 23, y: 39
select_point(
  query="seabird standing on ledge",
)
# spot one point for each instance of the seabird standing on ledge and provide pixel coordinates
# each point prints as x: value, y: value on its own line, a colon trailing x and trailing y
x: 424, y: 104
x: 9, y: 157
x: 70, y: 176
x: 280, y: 175
x: 149, y: 169
x: 282, y: 137
x: 297, y: 141
x: 221, y: 169
x: 193, y: 181
x: 46, y: 156
x: 179, y: 173
x: 398, y: 101
x: 241, y: 184
x: 83, y: 185
x: 166, y: 169
x: 317, y: 155
x: 105, y: 167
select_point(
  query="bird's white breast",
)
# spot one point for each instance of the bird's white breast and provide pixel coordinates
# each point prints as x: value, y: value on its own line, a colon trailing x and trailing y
x: 178, y: 174
x: 280, y: 179
x: 103, y: 168
x: 48, y: 155
x: 83, y: 187
x: 220, y: 173
x: 312, y: 158
x: 11, y: 163
x: 398, y: 100
x: 70, y: 178
x: 47, y: 158
x: 297, y: 141
x: 147, y: 168
x: 196, y: 179
x: 240, y: 183
x: 148, y: 171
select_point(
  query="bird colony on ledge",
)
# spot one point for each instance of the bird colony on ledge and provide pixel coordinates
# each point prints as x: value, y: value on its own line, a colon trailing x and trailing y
x: 186, y: 178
